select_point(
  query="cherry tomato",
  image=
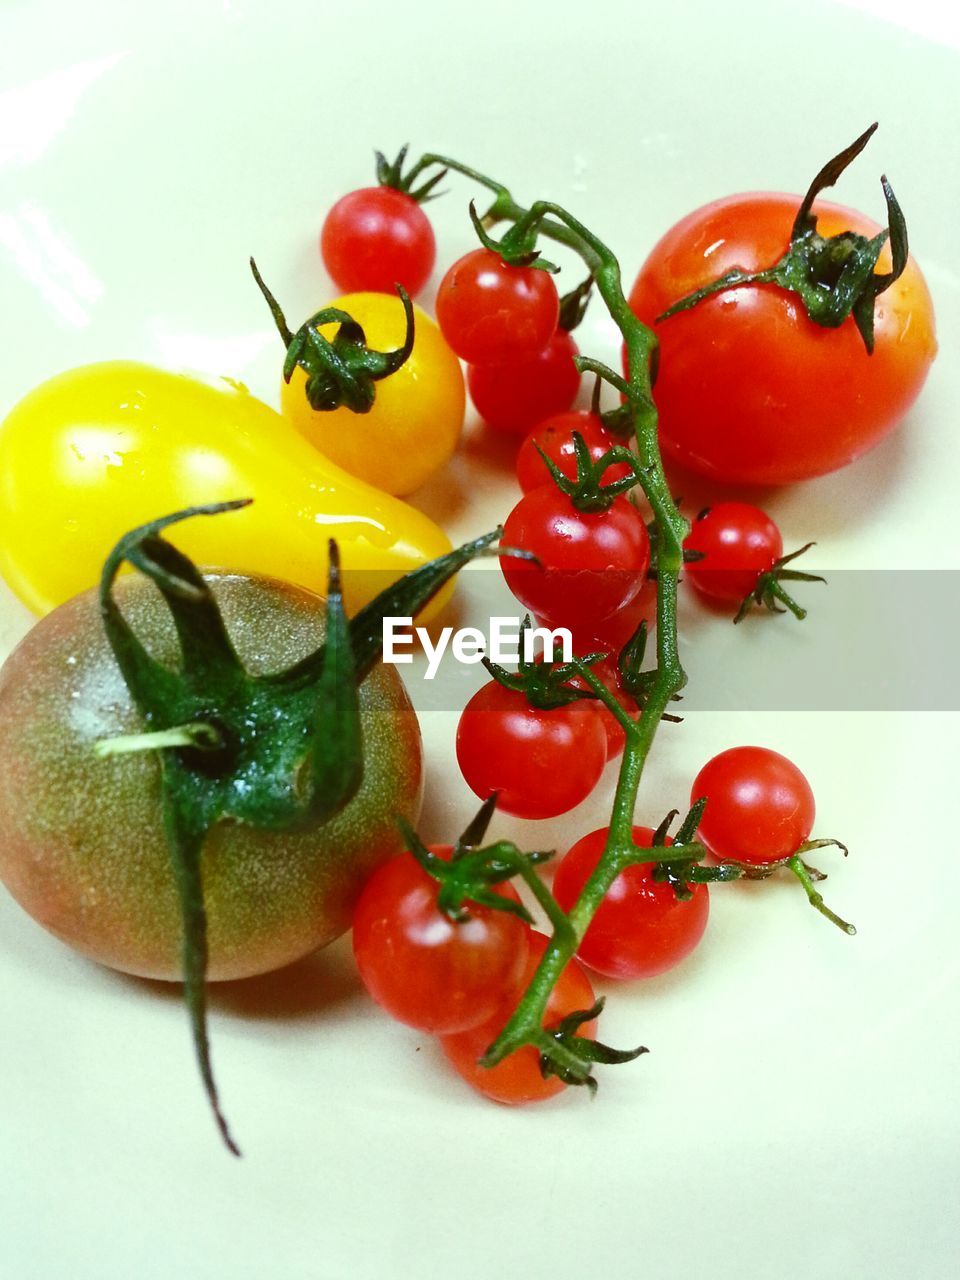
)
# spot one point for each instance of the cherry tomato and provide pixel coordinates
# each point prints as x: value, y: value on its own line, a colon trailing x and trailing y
x: 749, y: 389
x: 542, y: 762
x: 760, y: 807
x: 641, y: 928
x: 426, y: 970
x: 609, y: 635
x: 491, y: 313
x: 82, y: 843
x: 592, y: 563
x: 739, y: 543
x: 417, y: 415
x: 376, y: 238
x: 609, y: 673
x: 518, y: 1079
x: 555, y: 438
x: 515, y: 396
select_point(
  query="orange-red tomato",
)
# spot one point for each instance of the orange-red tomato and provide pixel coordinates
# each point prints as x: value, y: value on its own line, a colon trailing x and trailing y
x: 518, y: 1079
x: 749, y: 389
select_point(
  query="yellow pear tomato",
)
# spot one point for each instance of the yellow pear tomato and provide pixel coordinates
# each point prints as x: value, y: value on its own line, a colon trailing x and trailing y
x: 98, y: 450
x: 417, y: 416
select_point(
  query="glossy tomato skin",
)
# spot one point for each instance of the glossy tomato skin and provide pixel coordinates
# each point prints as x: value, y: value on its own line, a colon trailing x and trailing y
x: 542, y: 763
x: 514, y: 397
x: 591, y: 563
x: 433, y: 973
x: 760, y: 807
x: 517, y: 1080
x: 749, y: 389
x: 376, y: 238
x: 491, y: 313
x: 555, y: 437
x: 641, y: 929
x: 738, y: 542
x: 416, y: 419
x: 81, y: 839
x: 609, y: 635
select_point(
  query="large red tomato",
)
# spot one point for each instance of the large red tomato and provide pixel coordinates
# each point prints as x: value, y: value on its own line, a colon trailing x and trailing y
x: 750, y: 390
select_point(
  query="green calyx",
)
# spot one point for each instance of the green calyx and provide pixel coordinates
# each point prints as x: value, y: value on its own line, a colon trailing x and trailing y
x: 834, y: 276
x: 342, y: 371
x: 682, y: 868
x: 277, y: 752
x: 518, y: 246
x: 588, y: 492
x: 580, y: 1052
x: 544, y: 684
x: 770, y: 593
x: 390, y: 174
x: 473, y: 872
x: 573, y: 305
x: 637, y: 682
x: 619, y: 421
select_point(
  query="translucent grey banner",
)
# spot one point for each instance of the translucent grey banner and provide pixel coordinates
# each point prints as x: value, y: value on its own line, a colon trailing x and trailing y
x: 872, y: 641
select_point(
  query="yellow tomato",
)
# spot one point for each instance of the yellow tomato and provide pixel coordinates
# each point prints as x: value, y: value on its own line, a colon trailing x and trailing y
x: 98, y: 450
x: 416, y: 419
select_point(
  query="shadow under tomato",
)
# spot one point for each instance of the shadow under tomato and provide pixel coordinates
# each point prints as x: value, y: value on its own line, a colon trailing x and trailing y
x: 309, y: 988
x: 830, y: 502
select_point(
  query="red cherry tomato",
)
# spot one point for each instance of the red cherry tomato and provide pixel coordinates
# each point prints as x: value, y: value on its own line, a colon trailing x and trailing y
x: 376, y: 238
x: 514, y: 397
x: 609, y: 635
x: 518, y: 1079
x: 426, y: 970
x: 641, y: 928
x: 555, y: 438
x: 592, y: 563
x: 541, y: 762
x: 760, y: 807
x: 749, y: 389
x: 739, y: 543
x: 491, y: 313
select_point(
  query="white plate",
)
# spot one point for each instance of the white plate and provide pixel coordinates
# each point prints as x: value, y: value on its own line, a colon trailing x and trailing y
x: 797, y: 1117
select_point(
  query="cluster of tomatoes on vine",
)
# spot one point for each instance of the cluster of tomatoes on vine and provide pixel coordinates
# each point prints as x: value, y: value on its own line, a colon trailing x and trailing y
x: 535, y: 742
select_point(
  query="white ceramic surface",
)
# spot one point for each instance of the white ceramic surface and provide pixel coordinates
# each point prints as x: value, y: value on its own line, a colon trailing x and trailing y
x: 798, y: 1115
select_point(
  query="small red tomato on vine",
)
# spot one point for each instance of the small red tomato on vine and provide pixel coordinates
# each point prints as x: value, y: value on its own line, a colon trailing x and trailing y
x: 610, y: 634
x: 738, y: 543
x: 543, y: 762
x: 431, y: 972
x: 555, y: 437
x: 736, y: 555
x: 376, y: 238
x: 493, y: 313
x: 760, y: 807
x: 641, y: 927
x: 518, y: 1078
x: 513, y: 397
x: 591, y: 563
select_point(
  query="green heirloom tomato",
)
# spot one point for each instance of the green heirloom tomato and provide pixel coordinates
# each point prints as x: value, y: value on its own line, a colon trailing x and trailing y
x: 82, y: 845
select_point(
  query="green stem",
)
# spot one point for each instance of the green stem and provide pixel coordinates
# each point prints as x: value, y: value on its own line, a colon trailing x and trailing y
x: 199, y: 735
x: 590, y: 677
x: 552, y: 220
x: 525, y: 1025
x: 798, y: 868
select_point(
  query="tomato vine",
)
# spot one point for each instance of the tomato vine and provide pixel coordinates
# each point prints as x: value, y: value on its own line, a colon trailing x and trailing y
x: 655, y: 688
